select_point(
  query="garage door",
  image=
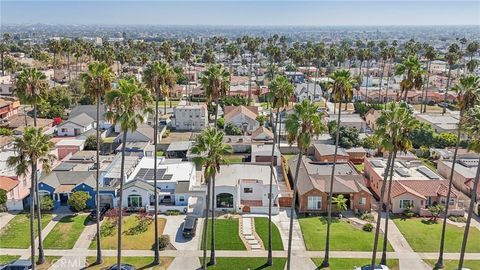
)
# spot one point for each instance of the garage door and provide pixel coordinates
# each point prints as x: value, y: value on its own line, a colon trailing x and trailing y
x: 265, y: 159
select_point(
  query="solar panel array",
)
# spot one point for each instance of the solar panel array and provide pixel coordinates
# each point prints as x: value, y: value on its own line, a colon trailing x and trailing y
x: 147, y: 174
x: 402, y: 172
x: 166, y: 177
x: 377, y: 163
x: 428, y: 173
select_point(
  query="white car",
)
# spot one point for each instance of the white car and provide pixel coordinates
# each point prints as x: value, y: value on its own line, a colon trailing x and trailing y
x: 377, y: 267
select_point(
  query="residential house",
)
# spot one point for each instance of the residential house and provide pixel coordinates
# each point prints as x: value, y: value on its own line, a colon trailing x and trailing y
x: 143, y: 133
x: 242, y: 116
x: 371, y: 117
x: 138, y: 195
x: 262, y: 134
x: 69, y: 146
x: 17, y: 189
x: 179, y: 150
x: 91, y: 111
x: 349, y: 120
x: 76, y: 125
x: 8, y: 106
x: 6, y: 85
x: 464, y: 174
x: 440, y: 123
x: 313, y: 185
x: 190, y: 117
x: 356, y: 155
x: 262, y: 154
x: 295, y: 76
x: 308, y: 91
x: 326, y: 153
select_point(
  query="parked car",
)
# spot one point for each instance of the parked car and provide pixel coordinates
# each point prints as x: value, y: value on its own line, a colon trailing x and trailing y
x: 377, y: 267
x: 18, y: 265
x: 103, y: 210
x: 123, y: 266
x: 189, y: 226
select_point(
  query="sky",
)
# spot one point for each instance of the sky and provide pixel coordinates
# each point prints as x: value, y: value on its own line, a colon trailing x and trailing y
x: 266, y: 12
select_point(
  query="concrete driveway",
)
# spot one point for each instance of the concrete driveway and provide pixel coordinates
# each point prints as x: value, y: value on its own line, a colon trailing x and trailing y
x: 173, y: 228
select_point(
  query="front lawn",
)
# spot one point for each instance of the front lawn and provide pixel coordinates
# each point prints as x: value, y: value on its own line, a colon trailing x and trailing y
x: 234, y: 158
x: 261, y: 227
x: 138, y: 262
x: 424, y: 236
x: 344, y: 236
x: 347, y: 263
x: 225, y: 263
x: 140, y: 241
x: 226, y: 235
x: 49, y: 261
x: 66, y: 232
x: 17, y: 232
x: 453, y: 264
x: 4, y: 259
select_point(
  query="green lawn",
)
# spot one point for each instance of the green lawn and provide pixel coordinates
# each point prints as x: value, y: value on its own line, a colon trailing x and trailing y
x: 225, y: 263
x: 66, y: 232
x: 17, y: 232
x: 138, y: 262
x: 430, y: 108
x: 429, y: 164
x: 360, y: 167
x: 344, y: 263
x: 162, y: 103
x: 453, y: 264
x: 261, y: 227
x: 4, y: 259
x: 226, y: 235
x: 424, y: 236
x: 234, y: 158
x: 141, y: 241
x: 344, y: 236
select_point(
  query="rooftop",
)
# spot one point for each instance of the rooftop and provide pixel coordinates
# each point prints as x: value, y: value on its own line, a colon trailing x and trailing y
x: 167, y: 170
x: 229, y: 175
x: 404, y: 169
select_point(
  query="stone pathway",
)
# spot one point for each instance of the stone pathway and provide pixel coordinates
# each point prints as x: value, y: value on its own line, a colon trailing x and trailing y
x: 248, y: 234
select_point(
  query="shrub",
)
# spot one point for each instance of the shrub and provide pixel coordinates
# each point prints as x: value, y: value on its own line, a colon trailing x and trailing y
x: 91, y: 143
x: 221, y: 123
x: 46, y: 203
x: 3, y: 196
x: 163, y: 242
x: 143, y: 222
x: 172, y: 212
x: 368, y: 227
x: 367, y: 217
x: 78, y: 200
x: 459, y: 219
x: 166, y: 134
x: 6, y: 132
x: 108, y: 227
x: 233, y: 130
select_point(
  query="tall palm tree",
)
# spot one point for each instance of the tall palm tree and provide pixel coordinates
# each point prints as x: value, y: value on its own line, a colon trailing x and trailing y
x: 215, y: 81
x: 342, y: 84
x: 452, y: 57
x: 66, y: 47
x: 97, y: 81
x: 412, y: 72
x: 211, y: 151
x: 430, y: 55
x: 186, y: 55
x: 472, y: 127
x: 30, y: 84
x: 129, y: 106
x: 55, y: 48
x: 471, y: 50
x: 3, y: 49
x: 252, y: 46
x: 301, y: 125
x: 468, y: 94
x: 33, y: 149
x: 280, y: 92
x: 157, y: 77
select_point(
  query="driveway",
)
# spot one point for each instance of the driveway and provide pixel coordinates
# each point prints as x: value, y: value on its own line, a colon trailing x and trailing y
x: 173, y: 228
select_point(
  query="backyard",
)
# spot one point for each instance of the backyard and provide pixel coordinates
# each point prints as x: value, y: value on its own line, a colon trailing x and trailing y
x: 138, y: 240
x: 344, y: 263
x: 139, y: 262
x: 224, y: 263
x: 17, y: 232
x: 424, y: 236
x: 66, y: 232
x: 261, y: 227
x: 344, y: 235
x: 226, y: 235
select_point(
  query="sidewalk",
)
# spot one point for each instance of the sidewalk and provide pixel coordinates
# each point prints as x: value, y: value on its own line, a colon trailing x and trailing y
x: 5, y: 218
x: 185, y: 263
x: 282, y: 220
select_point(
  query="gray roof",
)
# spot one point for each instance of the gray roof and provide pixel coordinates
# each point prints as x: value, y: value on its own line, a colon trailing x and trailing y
x: 180, y: 146
x: 182, y: 187
x: 310, y: 87
x: 82, y: 120
x: 328, y: 149
x: 140, y: 184
x: 57, y: 178
x: 322, y: 168
x: 90, y: 110
x: 113, y: 170
x: 65, y: 166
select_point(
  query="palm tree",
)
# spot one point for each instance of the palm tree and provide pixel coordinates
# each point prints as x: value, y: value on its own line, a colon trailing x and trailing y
x: 452, y: 57
x: 211, y: 151
x: 301, y: 126
x: 128, y: 107
x: 97, y: 81
x: 66, y: 47
x: 342, y: 84
x: 471, y: 50
x: 280, y: 92
x: 430, y: 55
x: 215, y: 81
x: 55, y: 48
x: 186, y: 55
x: 252, y: 46
x: 472, y: 127
x: 33, y: 149
x: 30, y: 84
x: 468, y: 95
x: 412, y: 71
x: 3, y: 49
x: 340, y: 202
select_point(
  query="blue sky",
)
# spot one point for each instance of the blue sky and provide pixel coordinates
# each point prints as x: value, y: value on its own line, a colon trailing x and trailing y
x: 386, y: 12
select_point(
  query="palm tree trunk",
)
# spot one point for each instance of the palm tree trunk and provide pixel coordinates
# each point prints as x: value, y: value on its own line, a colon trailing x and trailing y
x: 188, y: 87
x: 380, y: 208
x: 68, y: 65
x: 292, y: 210
x: 380, y: 84
x: 386, y: 90
x: 446, y: 90
x: 279, y: 129
x: 439, y: 263
x: 32, y: 216
x: 315, y: 85
x: 54, y: 56
x: 205, y: 226
x: 387, y: 212
x: 156, y: 259
x: 213, y: 260
x: 97, y: 185
x: 35, y: 113
x: 250, y: 80
x: 325, y: 262
x: 269, y: 258
x: 426, y: 88
x: 366, y: 85
x: 3, y: 66
x: 164, y: 105
x: 473, y: 197
x: 119, y: 204
x: 216, y: 112
x: 41, y: 255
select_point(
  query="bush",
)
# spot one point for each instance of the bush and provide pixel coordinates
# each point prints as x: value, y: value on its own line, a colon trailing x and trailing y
x: 108, y: 228
x: 6, y: 132
x: 367, y: 217
x: 458, y: 219
x: 166, y: 134
x: 91, y: 143
x: 233, y: 130
x: 221, y: 123
x: 78, y: 200
x: 368, y: 227
x: 143, y: 222
x: 46, y: 203
x: 3, y: 196
x: 163, y: 242
x: 172, y: 212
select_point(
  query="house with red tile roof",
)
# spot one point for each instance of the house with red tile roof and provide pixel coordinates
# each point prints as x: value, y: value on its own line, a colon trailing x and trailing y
x: 17, y: 190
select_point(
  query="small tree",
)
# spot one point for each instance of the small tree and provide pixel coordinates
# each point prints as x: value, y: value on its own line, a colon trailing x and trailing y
x: 78, y: 200
x: 6, y: 132
x: 91, y: 143
x: 262, y: 119
x: 231, y: 129
x: 436, y: 210
x: 46, y: 203
x: 221, y: 123
x: 340, y: 203
x: 3, y: 196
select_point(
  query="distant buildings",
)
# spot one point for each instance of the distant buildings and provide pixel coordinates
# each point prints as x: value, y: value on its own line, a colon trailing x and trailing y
x: 306, y: 91
x: 190, y: 117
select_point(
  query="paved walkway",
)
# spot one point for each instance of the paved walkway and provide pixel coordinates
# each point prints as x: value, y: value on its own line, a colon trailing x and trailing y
x: 282, y: 220
x: 173, y: 228
x: 185, y: 264
x: 5, y: 218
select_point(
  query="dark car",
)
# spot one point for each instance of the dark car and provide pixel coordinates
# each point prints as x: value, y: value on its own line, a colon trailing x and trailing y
x: 189, y: 226
x: 123, y: 266
x: 103, y: 210
x: 18, y: 265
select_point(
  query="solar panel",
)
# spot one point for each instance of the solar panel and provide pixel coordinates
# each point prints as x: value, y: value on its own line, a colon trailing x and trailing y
x: 428, y: 173
x: 147, y: 174
x: 402, y: 172
x: 167, y: 177
x: 377, y: 164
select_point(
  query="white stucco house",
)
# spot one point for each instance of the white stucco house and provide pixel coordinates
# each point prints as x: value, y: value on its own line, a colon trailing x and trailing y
x: 76, y: 125
x: 138, y: 195
x: 243, y: 117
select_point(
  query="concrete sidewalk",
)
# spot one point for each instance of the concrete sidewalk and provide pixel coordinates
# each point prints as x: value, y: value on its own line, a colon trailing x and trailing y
x: 282, y: 221
x: 185, y: 263
x: 5, y: 218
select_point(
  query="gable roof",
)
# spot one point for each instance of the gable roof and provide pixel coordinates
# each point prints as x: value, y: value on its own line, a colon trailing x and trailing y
x: 232, y: 111
x: 90, y: 110
x: 260, y: 130
x: 139, y: 184
x: 422, y: 188
x: 328, y: 150
x: 58, y: 178
x: 82, y: 120
x: 7, y: 183
x: 307, y: 88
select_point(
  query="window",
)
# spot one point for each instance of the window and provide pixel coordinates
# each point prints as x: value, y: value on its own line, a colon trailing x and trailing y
x: 406, y: 203
x: 248, y: 190
x: 134, y: 201
x: 224, y: 200
x: 181, y: 198
x: 314, y: 202
x: 362, y: 201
